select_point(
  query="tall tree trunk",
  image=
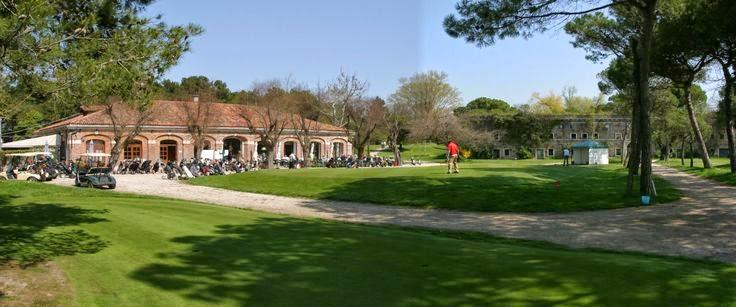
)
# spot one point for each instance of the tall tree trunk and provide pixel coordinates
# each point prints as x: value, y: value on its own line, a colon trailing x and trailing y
x: 198, y: 143
x: 688, y: 101
x: 119, y: 147
x: 727, y: 108
x: 115, y: 153
x: 634, y: 148
x: 306, y: 151
x: 396, y: 148
x: 682, y: 152
x: 625, y: 148
x: 645, y: 131
x: 269, y: 157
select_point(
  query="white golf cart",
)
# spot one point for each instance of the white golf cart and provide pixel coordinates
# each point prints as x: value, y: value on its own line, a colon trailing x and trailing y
x: 30, y: 174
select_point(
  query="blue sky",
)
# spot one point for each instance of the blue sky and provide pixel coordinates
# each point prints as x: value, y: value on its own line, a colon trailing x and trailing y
x: 380, y: 41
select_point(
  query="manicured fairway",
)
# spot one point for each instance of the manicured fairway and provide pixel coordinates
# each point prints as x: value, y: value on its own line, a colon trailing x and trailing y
x: 119, y: 250
x: 426, y: 152
x: 491, y: 186
x: 721, y: 170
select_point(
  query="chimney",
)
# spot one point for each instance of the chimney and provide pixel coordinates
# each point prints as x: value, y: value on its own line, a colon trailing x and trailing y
x: 195, y: 98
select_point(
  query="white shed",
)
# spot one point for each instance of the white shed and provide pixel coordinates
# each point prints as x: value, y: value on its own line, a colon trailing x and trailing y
x: 589, y: 152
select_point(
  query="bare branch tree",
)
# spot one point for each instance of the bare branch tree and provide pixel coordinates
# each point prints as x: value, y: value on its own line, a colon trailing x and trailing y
x: 365, y: 116
x: 304, y: 121
x: 126, y: 121
x: 344, y: 91
x: 198, y: 118
x: 266, y: 114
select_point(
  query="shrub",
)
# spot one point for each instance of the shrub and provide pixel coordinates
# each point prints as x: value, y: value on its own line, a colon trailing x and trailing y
x: 465, y: 153
x: 524, y: 153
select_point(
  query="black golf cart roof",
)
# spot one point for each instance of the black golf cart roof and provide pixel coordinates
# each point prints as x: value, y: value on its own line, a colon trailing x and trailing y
x: 98, y: 170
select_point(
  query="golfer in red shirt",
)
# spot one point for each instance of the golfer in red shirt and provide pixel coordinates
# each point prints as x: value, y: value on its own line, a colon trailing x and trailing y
x: 452, y: 152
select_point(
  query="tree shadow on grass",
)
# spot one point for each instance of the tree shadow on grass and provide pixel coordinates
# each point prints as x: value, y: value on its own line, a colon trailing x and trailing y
x: 288, y: 262
x: 501, y: 189
x: 25, y: 236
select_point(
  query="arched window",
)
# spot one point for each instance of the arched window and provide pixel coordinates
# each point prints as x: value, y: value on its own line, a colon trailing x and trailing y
x: 315, y: 150
x: 338, y: 149
x: 133, y: 150
x: 95, y: 146
x: 289, y: 148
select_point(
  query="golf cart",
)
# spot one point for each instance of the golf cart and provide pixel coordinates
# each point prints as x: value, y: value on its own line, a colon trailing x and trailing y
x: 21, y: 170
x: 95, y: 177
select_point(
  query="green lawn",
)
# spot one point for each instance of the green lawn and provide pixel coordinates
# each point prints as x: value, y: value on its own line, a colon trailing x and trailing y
x: 426, y: 152
x: 483, y: 185
x: 721, y: 170
x: 122, y: 250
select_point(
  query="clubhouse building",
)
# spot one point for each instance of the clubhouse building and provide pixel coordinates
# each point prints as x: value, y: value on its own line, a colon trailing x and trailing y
x: 164, y: 135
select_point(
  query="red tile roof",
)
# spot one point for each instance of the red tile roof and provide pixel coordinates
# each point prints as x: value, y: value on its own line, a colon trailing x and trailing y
x: 172, y: 113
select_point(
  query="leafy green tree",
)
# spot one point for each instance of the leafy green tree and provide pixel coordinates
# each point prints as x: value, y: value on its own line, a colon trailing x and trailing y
x: 484, y: 105
x: 681, y: 56
x: 528, y: 130
x: 430, y: 100
x: 188, y: 87
x: 484, y: 21
x: 549, y: 104
x: 28, y: 121
x: 575, y: 104
x: 716, y: 23
x: 615, y: 35
x: 120, y: 66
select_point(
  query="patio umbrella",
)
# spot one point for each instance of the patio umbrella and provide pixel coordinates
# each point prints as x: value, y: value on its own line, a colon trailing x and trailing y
x: 254, y: 156
x: 311, y: 151
x: 278, y: 152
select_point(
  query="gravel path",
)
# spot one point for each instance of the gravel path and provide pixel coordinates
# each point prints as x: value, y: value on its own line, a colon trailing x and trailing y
x: 701, y: 225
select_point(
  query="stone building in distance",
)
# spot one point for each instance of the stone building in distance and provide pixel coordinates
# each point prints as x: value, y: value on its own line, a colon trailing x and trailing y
x: 612, y: 131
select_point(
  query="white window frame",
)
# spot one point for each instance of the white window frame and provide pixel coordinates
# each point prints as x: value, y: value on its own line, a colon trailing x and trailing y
x: 584, y: 136
x: 573, y: 136
x: 506, y: 152
x: 617, y: 152
x: 550, y: 150
x: 619, y: 136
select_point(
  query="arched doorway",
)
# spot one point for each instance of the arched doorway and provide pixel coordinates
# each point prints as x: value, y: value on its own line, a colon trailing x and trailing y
x: 133, y: 150
x: 289, y: 148
x: 206, y: 145
x: 338, y: 149
x: 233, y: 147
x: 315, y: 150
x: 168, y: 151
